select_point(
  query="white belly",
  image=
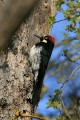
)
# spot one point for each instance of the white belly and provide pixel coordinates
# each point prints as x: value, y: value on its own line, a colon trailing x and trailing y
x: 35, y: 59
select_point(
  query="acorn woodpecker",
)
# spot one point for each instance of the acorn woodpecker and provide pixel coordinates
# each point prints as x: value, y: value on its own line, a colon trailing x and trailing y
x: 39, y: 57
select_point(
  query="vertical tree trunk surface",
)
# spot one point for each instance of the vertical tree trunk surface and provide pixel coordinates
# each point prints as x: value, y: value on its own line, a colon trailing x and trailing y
x: 16, y: 78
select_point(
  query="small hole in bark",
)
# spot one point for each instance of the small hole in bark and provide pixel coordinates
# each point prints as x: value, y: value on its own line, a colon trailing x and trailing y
x: 46, y: 7
x: 38, y: 8
x: 3, y: 103
x: 15, y: 51
x: 24, y: 111
x: 27, y: 44
x: 29, y: 100
x: 46, y: 1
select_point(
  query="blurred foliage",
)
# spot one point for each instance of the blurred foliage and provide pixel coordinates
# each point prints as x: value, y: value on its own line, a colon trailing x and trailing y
x: 66, y: 62
x: 51, y: 20
x: 55, y: 101
x: 71, y: 14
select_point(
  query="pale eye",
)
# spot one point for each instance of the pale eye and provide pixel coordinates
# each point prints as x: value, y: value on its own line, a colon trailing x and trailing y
x: 46, y: 38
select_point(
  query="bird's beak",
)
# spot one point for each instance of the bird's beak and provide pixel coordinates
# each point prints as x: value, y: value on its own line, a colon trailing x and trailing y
x: 38, y: 36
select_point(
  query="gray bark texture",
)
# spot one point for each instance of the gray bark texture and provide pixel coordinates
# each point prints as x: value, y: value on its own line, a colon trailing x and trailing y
x: 16, y: 78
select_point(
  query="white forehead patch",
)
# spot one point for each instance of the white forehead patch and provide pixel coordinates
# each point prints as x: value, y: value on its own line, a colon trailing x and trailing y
x: 45, y: 41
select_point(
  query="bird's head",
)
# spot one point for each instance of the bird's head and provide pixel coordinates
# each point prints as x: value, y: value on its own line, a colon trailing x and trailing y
x: 46, y: 39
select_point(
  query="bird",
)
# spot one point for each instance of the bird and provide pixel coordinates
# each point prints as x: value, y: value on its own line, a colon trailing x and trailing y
x: 40, y: 54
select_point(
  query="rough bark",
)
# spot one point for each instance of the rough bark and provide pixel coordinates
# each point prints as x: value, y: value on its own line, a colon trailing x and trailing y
x: 16, y: 79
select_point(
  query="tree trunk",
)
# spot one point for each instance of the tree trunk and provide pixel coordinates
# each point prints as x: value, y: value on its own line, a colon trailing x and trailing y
x: 16, y: 78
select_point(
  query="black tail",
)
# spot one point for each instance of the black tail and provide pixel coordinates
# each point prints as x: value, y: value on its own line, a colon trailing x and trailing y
x: 37, y: 87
